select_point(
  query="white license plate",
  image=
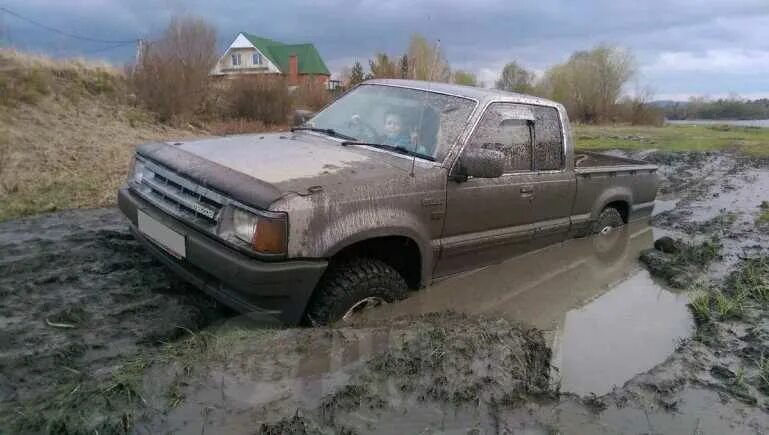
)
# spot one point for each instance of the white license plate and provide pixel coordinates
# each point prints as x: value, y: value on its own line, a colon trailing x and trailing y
x: 163, y: 236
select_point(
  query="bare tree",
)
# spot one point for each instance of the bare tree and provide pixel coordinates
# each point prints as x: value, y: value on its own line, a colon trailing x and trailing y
x: 426, y: 61
x: 515, y: 78
x: 172, y: 78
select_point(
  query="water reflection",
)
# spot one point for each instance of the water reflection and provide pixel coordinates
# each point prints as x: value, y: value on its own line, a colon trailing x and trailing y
x: 604, y: 315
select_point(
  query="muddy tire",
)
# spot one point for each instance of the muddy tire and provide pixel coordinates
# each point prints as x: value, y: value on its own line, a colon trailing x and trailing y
x: 608, y: 243
x: 609, y: 218
x: 351, y: 284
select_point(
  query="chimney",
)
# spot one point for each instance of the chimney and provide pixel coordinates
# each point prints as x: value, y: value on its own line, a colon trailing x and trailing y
x: 293, y: 69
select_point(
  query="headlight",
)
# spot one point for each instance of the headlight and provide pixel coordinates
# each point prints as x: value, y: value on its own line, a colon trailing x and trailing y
x: 265, y: 233
x: 137, y: 172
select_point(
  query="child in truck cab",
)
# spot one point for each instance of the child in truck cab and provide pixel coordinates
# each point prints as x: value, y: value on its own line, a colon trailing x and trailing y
x: 394, y: 132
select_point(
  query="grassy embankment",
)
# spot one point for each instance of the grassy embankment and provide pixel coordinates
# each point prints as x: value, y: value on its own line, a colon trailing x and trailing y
x: 67, y: 130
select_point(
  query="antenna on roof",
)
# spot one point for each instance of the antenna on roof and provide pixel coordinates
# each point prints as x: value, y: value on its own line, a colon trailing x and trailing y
x: 429, y: 78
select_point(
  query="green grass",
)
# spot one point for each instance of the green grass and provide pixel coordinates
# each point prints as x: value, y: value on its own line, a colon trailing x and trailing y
x: 750, y: 140
x: 763, y: 217
x: 700, y: 306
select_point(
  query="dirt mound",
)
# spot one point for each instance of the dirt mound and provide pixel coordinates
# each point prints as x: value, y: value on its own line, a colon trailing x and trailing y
x: 78, y: 298
x: 354, y: 379
x: 680, y: 263
x: 67, y: 130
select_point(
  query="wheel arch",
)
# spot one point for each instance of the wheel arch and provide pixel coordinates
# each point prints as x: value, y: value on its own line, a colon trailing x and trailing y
x: 400, y: 251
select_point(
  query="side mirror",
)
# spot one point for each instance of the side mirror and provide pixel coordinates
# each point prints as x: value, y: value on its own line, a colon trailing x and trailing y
x: 302, y: 116
x: 482, y: 163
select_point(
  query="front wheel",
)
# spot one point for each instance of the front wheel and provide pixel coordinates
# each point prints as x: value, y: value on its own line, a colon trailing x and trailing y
x: 353, y: 286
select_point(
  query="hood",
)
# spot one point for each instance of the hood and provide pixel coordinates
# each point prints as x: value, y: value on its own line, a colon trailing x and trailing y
x: 275, y: 164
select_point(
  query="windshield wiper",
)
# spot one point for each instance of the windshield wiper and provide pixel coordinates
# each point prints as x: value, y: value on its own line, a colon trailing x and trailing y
x: 327, y: 131
x: 399, y: 149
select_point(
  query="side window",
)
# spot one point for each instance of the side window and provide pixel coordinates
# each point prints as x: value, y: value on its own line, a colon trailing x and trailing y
x: 508, y: 128
x: 548, y: 139
x: 257, y: 59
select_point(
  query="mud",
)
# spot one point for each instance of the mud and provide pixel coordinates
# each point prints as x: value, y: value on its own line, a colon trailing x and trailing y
x: 580, y: 337
x: 77, y: 297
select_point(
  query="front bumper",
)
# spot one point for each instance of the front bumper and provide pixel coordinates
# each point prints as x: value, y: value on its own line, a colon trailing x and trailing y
x: 270, y: 290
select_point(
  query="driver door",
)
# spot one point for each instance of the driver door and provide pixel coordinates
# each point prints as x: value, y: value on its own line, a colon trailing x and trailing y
x: 490, y: 219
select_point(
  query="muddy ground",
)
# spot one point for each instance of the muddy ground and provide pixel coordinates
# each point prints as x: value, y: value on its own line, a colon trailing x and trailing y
x: 97, y: 336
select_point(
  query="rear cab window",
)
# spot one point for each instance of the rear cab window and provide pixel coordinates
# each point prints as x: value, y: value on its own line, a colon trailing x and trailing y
x: 528, y: 135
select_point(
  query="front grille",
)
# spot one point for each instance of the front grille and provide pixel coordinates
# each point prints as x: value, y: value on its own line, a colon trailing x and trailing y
x: 179, y: 196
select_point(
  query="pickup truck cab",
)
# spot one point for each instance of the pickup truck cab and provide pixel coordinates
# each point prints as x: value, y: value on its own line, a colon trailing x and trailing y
x: 394, y: 185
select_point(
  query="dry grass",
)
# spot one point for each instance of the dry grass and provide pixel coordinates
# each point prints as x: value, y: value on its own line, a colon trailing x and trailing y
x: 241, y: 126
x: 28, y: 79
x: 68, y: 146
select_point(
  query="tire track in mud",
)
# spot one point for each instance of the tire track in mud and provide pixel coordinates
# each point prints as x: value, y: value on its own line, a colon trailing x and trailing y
x: 78, y: 295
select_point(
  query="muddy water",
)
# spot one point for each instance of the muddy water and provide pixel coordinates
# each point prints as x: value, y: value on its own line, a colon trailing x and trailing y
x: 588, y: 293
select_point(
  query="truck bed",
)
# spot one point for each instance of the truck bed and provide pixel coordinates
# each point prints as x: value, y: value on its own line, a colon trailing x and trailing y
x: 589, y: 162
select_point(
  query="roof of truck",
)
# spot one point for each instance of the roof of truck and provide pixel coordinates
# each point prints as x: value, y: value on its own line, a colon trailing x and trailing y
x: 476, y: 93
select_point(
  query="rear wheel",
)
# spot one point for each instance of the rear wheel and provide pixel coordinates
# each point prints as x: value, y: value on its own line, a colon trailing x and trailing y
x: 353, y: 286
x: 609, y: 219
x: 606, y: 237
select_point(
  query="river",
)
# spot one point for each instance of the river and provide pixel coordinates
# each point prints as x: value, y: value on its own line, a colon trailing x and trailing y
x: 742, y: 123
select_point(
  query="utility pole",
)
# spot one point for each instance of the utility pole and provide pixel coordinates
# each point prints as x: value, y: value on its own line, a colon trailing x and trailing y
x: 5, y: 38
x: 142, y: 45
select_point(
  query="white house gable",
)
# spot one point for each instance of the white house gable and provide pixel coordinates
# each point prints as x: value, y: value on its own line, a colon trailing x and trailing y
x: 241, y: 57
x: 241, y: 42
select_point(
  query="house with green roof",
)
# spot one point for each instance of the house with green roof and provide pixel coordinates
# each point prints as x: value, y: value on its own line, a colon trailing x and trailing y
x: 251, y: 54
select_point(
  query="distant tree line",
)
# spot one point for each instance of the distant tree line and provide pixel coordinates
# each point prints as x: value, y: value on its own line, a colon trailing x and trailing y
x: 590, y: 83
x: 724, y: 108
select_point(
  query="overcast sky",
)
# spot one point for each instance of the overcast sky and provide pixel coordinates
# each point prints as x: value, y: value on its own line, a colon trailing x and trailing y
x: 683, y: 47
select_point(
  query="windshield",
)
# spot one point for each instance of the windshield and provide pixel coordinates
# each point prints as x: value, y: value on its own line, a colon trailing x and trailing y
x: 421, y: 122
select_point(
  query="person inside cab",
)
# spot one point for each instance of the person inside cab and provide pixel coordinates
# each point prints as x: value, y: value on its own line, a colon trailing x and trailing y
x: 395, y: 133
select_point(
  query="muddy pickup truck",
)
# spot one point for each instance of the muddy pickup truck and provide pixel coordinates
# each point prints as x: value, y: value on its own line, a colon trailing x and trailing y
x: 391, y: 187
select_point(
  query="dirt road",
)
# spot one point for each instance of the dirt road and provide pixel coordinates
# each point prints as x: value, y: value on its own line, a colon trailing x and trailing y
x: 96, y: 335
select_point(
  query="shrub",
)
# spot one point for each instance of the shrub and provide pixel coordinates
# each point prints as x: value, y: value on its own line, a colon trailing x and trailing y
x: 258, y: 98
x: 311, y: 96
x: 637, y: 111
x: 171, y: 78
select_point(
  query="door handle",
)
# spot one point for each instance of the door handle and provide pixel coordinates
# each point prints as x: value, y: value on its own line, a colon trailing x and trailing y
x: 527, y: 189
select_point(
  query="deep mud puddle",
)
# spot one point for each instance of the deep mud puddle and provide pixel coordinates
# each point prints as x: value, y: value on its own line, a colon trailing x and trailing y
x: 604, y: 316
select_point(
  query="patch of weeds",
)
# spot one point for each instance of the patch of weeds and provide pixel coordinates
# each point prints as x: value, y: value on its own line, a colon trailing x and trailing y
x: 763, y: 374
x: 740, y: 378
x: 751, y: 280
x: 72, y: 315
x: 728, y: 307
x: 702, y: 254
x: 297, y: 424
x: 763, y: 217
x: 174, y: 395
x: 700, y: 307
